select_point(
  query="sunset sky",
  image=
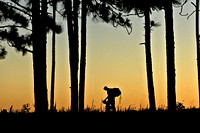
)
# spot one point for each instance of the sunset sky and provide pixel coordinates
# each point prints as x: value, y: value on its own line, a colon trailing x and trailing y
x: 114, y: 59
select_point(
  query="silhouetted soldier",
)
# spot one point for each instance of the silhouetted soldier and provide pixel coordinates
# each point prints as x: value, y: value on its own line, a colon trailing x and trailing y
x: 110, y: 99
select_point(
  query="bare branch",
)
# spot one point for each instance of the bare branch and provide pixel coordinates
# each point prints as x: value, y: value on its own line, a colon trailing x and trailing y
x: 27, y: 9
x: 142, y: 43
x: 193, y: 4
x: 193, y: 11
x: 191, y: 14
x: 182, y: 9
x: 188, y: 15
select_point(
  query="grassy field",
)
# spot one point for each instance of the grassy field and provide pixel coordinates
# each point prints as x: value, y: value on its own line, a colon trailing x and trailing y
x: 184, y: 120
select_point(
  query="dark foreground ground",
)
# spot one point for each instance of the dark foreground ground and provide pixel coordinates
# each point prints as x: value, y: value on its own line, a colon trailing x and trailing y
x: 114, y: 122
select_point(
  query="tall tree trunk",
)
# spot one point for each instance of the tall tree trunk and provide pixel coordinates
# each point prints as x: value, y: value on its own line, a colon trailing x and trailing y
x: 152, y: 102
x: 39, y: 56
x: 197, y: 43
x: 170, y: 46
x: 72, y: 24
x: 83, y: 57
x: 75, y: 60
x: 53, y: 58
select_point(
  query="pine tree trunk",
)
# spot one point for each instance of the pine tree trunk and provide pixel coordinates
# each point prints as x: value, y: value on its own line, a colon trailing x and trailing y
x: 39, y: 56
x: 197, y: 43
x: 170, y: 53
x: 83, y: 57
x: 72, y: 24
x: 53, y: 59
x: 149, y: 60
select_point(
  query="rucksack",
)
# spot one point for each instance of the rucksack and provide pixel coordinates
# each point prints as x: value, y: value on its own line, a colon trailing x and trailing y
x: 116, y: 92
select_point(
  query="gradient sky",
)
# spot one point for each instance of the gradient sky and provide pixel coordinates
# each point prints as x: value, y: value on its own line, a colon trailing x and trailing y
x: 114, y: 59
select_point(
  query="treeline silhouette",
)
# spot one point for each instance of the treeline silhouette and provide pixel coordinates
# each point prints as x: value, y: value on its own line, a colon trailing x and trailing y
x: 36, y: 20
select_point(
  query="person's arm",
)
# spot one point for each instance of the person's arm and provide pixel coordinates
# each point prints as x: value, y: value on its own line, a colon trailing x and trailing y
x: 105, y: 100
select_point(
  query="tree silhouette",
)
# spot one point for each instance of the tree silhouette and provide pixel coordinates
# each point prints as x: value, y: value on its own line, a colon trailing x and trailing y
x: 39, y: 55
x: 170, y: 54
x: 109, y: 12
x: 35, y: 38
x: 72, y: 8
x: 52, y: 106
x: 198, y: 45
x: 83, y: 55
x: 40, y: 28
x: 53, y: 3
x: 147, y: 44
x: 10, y: 31
x: 196, y: 5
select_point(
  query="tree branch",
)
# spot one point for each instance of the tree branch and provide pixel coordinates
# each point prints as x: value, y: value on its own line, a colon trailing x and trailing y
x: 182, y: 9
x: 6, y: 26
x: 22, y: 48
x: 10, y: 5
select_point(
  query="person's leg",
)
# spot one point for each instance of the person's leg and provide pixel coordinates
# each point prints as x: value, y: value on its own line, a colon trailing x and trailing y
x: 112, y: 108
x: 107, y: 107
x: 112, y: 104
